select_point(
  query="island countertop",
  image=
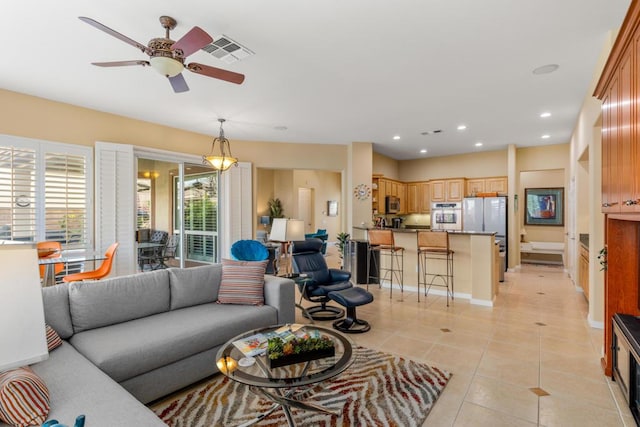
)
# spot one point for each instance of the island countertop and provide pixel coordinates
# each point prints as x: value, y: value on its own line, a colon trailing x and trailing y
x: 415, y: 230
x: 476, y: 262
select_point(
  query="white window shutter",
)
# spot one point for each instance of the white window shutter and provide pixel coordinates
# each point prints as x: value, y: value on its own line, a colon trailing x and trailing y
x: 115, y: 204
x: 236, y: 201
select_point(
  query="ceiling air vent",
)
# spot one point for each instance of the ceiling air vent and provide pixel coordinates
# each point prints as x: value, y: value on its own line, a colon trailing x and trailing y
x: 227, y: 50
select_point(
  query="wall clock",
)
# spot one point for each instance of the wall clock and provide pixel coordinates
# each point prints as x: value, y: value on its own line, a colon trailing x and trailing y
x: 23, y: 201
x: 362, y: 192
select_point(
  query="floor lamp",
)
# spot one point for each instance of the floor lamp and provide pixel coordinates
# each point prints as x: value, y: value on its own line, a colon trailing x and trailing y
x: 286, y: 231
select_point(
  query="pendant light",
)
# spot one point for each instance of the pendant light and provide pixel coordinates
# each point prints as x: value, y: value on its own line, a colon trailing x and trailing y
x: 222, y: 159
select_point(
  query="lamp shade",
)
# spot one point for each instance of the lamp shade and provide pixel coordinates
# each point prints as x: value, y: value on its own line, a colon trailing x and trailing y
x: 287, y: 230
x: 21, y: 310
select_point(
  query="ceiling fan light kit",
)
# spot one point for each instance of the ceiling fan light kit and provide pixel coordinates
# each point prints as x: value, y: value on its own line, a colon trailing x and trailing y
x: 167, y: 56
x: 222, y: 159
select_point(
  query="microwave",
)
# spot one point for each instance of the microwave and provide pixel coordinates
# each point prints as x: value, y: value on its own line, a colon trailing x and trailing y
x: 392, y: 204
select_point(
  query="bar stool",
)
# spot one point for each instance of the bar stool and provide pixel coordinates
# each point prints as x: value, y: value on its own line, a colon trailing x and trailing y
x: 433, y: 247
x: 381, y: 245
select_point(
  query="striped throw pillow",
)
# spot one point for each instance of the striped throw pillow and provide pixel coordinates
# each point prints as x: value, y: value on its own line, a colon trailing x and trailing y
x: 53, y: 339
x: 24, y: 398
x: 242, y: 282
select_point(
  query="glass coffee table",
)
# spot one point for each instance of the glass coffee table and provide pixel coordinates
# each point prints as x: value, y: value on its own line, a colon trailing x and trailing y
x: 287, y: 386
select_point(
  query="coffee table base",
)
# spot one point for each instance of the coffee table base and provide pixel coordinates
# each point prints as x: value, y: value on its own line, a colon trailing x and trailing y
x: 286, y: 402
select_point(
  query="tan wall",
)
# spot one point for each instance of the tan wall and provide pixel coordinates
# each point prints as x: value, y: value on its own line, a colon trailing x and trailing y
x: 264, y: 191
x: 472, y: 165
x: 384, y: 165
x: 361, y: 161
x: 33, y: 117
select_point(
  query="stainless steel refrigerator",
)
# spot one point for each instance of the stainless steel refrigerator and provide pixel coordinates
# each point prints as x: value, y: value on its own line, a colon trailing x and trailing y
x: 487, y: 214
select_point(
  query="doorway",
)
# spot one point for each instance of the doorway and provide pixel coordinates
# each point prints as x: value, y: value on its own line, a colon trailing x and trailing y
x: 306, y: 209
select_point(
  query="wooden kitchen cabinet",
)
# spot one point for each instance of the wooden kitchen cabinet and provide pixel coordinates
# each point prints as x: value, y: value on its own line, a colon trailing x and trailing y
x: 455, y: 189
x: 584, y: 271
x: 438, y: 193
x: 424, y: 197
x: 619, y: 90
x: 475, y: 186
x: 497, y: 184
x: 447, y: 190
x: 413, y: 204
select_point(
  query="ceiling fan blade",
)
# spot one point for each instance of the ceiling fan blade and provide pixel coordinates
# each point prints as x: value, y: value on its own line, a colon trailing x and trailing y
x: 121, y: 63
x: 195, y: 39
x: 216, y: 73
x: 115, y: 34
x: 178, y: 83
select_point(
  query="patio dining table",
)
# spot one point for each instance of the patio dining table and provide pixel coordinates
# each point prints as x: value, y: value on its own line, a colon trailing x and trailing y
x: 66, y: 257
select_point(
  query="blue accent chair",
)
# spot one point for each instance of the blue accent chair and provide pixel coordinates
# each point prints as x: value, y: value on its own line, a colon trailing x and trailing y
x: 322, y: 235
x: 254, y: 250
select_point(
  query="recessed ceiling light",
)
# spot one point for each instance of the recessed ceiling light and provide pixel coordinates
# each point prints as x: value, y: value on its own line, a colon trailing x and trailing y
x: 280, y: 128
x: 545, y: 136
x: 546, y: 69
x: 424, y: 150
x: 396, y: 137
x: 462, y: 127
x: 478, y: 144
x: 545, y: 114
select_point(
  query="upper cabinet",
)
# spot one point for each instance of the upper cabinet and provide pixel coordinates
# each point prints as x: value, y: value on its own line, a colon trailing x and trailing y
x: 496, y: 184
x: 418, y: 197
x: 447, y: 190
x: 618, y: 89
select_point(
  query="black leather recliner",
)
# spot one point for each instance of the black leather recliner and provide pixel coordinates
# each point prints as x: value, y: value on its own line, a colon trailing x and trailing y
x: 308, y: 259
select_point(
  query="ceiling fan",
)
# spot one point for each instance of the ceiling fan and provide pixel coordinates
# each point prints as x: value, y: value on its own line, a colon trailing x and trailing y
x: 168, y: 56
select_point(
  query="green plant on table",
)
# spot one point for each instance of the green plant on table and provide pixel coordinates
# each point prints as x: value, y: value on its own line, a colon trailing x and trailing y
x: 602, y: 257
x: 277, y: 347
x: 343, y: 238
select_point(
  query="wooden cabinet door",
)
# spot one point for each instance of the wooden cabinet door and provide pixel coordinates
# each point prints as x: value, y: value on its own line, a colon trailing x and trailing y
x: 382, y: 196
x: 625, y: 167
x: 437, y: 190
x: 610, y: 189
x: 499, y: 185
x: 455, y: 190
x: 401, y: 194
x: 475, y: 186
x: 424, y: 195
x: 584, y: 271
x: 412, y: 198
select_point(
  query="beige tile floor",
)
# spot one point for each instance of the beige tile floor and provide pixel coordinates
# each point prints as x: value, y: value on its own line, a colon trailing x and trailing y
x: 535, y: 337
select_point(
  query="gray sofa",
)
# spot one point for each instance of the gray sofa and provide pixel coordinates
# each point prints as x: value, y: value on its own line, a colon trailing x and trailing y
x: 133, y: 339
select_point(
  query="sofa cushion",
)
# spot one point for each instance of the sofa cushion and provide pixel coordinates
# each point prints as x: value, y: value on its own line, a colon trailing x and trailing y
x: 76, y: 386
x: 24, y: 397
x: 53, y: 339
x: 194, y: 286
x: 56, y: 309
x: 142, y: 345
x: 124, y: 298
x: 242, y: 282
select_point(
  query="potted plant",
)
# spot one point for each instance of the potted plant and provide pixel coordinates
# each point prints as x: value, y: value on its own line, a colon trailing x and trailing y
x: 275, y: 208
x: 343, y: 239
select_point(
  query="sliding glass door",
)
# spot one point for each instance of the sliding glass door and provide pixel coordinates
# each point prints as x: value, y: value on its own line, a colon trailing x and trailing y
x: 200, y: 213
x: 180, y: 199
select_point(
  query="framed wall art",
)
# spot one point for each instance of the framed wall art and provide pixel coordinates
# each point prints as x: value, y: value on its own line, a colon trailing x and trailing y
x: 544, y: 206
x: 332, y: 208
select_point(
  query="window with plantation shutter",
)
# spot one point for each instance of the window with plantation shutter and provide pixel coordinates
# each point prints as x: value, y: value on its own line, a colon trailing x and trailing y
x: 65, y: 191
x: 45, y: 192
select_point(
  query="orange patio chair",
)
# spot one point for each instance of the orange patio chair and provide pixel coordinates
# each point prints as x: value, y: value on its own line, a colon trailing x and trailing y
x: 98, y: 273
x: 49, y: 249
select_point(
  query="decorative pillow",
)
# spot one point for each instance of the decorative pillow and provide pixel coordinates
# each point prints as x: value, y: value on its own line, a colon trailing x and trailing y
x: 242, y: 282
x: 53, y: 339
x: 24, y: 398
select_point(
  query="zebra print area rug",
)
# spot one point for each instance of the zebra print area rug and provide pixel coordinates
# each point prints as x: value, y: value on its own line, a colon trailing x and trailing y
x: 379, y: 389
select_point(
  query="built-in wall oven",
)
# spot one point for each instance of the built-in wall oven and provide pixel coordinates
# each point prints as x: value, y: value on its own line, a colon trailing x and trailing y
x: 446, y: 216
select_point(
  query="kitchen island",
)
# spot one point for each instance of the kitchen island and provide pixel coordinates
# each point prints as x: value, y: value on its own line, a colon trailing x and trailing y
x: 476, y: 263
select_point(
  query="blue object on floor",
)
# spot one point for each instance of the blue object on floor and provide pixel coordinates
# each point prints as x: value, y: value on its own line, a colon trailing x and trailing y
x: 249, y: 250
